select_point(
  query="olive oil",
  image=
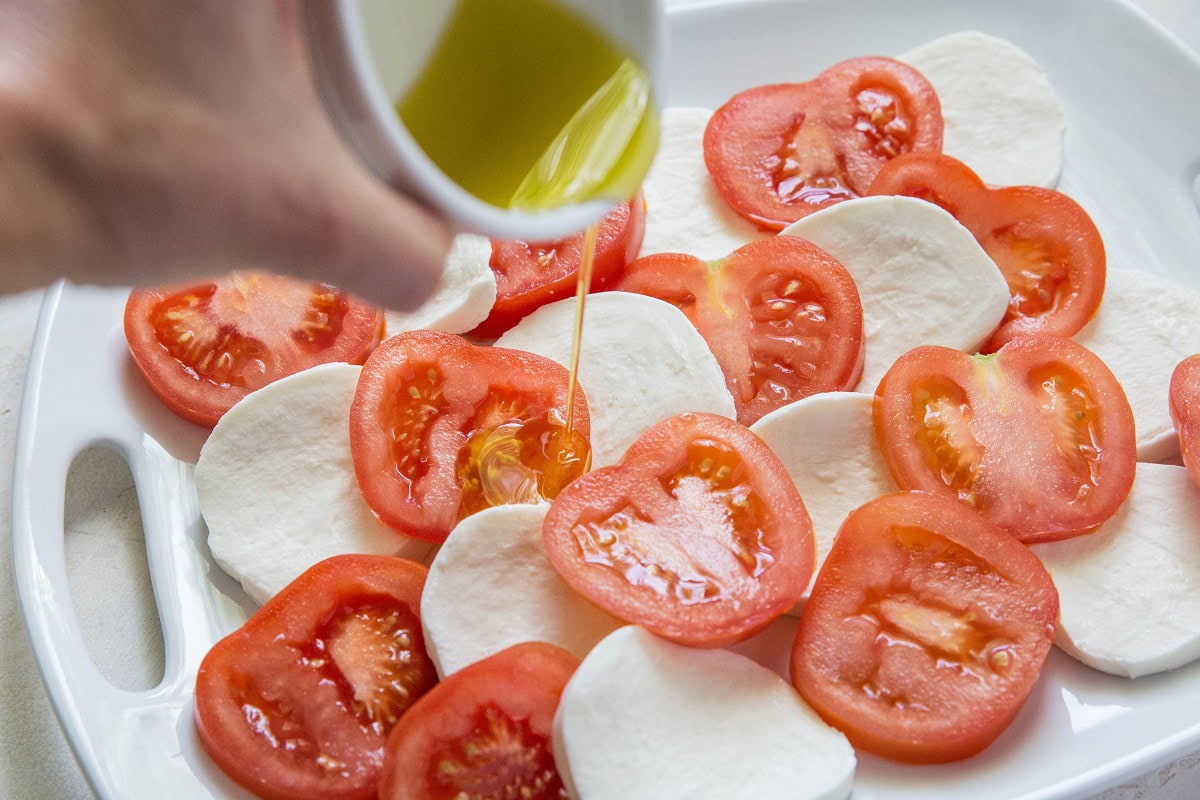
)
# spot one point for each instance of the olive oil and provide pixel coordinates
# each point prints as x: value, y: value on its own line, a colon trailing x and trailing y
x: 526, y: 105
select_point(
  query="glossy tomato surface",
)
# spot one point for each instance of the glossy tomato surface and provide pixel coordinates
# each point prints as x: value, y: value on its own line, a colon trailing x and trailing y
x: 203, y: 346
x: 779, y: 152
x: 1038, y: 437
x: 781, y: 315
x: 1044, y: 242
x: 698, y: 534
x: 441, y: 428
x: 926, y: 628
x: 531, y: 274
x: 483, y: 732
x: 298, y: 702
x: 1184, y: 395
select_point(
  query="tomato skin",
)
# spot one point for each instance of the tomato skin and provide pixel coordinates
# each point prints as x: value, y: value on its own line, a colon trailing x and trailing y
x: 312, y: 664
x: 531, y: 274
x: 779, y: 152
x: 426, y: 400
x: 203, y: 346
x: 1184, y: 394
x: 1047, y: 246
x: 698, y: 534
x: 925, y: 631
x: 1038, y: 437
x: 782, y: 317
x: 492, y: 721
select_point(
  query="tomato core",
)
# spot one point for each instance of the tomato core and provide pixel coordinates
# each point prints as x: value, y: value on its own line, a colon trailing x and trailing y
x: 221, y: 355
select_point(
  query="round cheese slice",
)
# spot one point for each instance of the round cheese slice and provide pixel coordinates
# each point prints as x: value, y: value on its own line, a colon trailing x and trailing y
x: 684, y: 212
x: 1002, y: 116
x: 491, y: 586
x: 275, y: 483
x: 1130, y: 591
x: 827, y: 443
x: 646, y: 719
x: 921, y: 276
x: 464, y: 295
x: 1145, y: 326
x: 641, y: 362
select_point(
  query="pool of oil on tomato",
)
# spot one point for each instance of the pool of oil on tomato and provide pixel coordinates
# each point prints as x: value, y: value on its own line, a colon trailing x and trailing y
x: 530, y: 461
x: 526, y: 105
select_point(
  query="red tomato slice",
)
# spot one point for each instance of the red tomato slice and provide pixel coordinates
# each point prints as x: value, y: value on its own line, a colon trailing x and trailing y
x: 698, y: 534
x: 202, y: 347
x: 531, y: 274
x: 781, y: 315
x: 779, y: 152
x: 926, y: 629
x: 1038, y: 437
x: 298, y: 702
x: 1185, y: 412
x: 483, y: 732
x: 1046, y: 245
x: 441, y: 428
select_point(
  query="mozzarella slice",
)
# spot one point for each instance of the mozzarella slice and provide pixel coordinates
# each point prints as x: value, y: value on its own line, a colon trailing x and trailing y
x: 1145, y: 326
x: 641, y: 361
x: 1002, y: 117
x: 465, y: 294
x: 491, y: 585
x: 275, y: 483
x: 684, y: 213
x: 1130, y: 591
x: 646, y: 718
x: 921, y: 276
x: 827, y: 443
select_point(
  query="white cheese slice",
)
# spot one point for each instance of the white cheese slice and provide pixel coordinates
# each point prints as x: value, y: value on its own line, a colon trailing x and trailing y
x: 827, y: 443
x: 491, y: 585
x: 464, y: 296
x: 1130, y: 590
x: 921, y: 276
x: 1145, y: 326
x: 275, y: 483
x: 641, y: 362
x: 1002, y: 116
x: 646, y: 719
x: 684, y: 212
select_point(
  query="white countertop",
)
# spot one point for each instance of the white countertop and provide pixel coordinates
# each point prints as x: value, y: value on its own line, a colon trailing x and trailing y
x: 117, y: 614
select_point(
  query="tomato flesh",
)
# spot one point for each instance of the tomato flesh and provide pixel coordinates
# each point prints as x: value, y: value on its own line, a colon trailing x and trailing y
x: 698, y: 534
x: 202, y: 347
x: 299, y: 701
x: 925, y: 630
x: 1050, y: 251
x: 779, y: 152
x: 1038, y: 437
x: 531, y: 274
x: 1184, y: 395
x: 484, y: 732
x: 782, y: 317
x: 441, y: 428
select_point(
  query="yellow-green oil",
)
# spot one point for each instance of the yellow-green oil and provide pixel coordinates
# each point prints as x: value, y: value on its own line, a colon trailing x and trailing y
x: 526, y: 105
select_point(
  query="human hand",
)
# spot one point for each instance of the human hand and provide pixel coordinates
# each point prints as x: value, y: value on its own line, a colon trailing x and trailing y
x: 146, y: 142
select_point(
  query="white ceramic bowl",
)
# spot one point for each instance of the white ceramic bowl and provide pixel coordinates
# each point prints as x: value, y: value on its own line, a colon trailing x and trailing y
x: 360, y: 88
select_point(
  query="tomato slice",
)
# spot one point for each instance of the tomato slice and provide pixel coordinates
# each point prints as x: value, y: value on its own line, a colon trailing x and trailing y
x: 1184, y: 396
x: 925, y: 631
x: 698, y: 534
x: 441, y: 428
x: 779, y: 152
x: 483, y: 732
x: 781, y: 315
x: 1038, y: 437
x: 1047, y: 246
x: 531, y: 274
x: 298, y: 702
x: 203, y: 346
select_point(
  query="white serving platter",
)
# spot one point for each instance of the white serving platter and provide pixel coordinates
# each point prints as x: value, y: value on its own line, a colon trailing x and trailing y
x: 1132, y: 159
